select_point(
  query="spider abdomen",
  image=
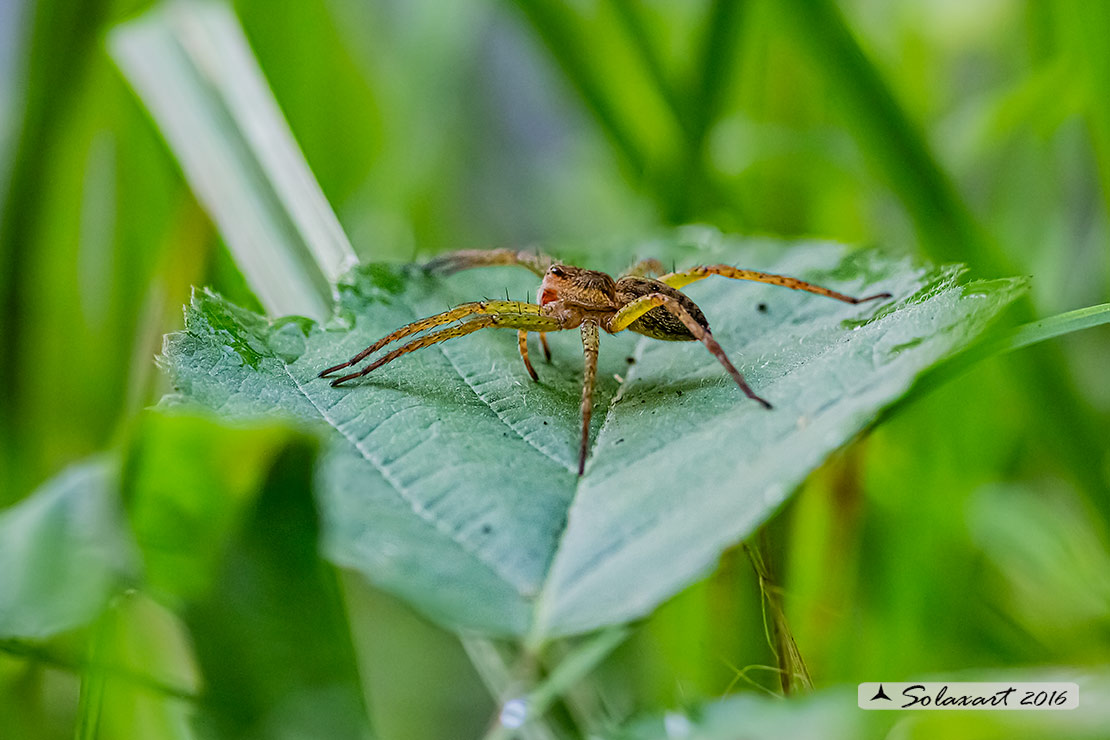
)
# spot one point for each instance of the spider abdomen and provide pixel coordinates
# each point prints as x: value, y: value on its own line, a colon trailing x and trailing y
x: 659, y: 323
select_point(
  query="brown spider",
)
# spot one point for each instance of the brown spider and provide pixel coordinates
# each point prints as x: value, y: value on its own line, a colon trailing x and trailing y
x: 570, y: 297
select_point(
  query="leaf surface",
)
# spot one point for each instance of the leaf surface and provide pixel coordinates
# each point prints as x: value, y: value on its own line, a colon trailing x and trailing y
x: 63, y: 551
x: 449, y: 477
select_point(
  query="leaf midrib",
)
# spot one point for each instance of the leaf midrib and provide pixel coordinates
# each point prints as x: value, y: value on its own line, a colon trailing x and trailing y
x: 491, y: 565
x: 538, y: 604
x: 633, y: 371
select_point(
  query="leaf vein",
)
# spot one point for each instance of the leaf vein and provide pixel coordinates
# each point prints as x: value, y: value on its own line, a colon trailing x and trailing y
x: 419, y: 509
x: 473, y: 386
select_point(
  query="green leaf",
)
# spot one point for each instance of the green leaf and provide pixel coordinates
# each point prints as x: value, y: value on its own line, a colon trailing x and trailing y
x: 140, y: 678
x: 271, y: 635
x: 233, y: 544
x: 449, y: 478
x: 63, y: 551
x: 829, y: 715
x: 185, y: 514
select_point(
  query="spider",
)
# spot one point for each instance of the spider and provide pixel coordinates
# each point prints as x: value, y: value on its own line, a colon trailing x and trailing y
x: 573, y: 297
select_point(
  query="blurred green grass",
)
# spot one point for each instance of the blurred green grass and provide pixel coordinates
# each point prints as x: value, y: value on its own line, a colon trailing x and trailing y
x: 973, y: 132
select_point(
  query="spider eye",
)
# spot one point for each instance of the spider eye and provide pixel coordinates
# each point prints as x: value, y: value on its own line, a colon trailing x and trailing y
x: 557, y: 271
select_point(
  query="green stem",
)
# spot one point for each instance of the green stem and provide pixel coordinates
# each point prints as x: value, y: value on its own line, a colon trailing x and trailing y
x: 502, y: 681
x: 519, y: 713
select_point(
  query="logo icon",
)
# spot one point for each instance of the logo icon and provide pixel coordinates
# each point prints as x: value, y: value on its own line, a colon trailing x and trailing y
x: 880, y: 694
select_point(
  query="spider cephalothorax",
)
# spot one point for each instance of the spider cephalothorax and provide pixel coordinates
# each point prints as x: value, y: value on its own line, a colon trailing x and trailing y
x: 572, y: 297
x: 577, y: 286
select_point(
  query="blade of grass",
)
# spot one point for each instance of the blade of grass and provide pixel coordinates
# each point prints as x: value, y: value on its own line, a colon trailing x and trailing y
x: 62, y: 35
x: 1008, y: 341
x: 888, y: 138
x: 723, y: 26
x: 93, y: 678
x: 1084, y: 28
x: 53, y: 657
x: 947, y: 229
x: 1054, y: 326
x: 1072, y: 432
x: 628, y: 13
x: 794, y: 676
x: 192, y: 67
x: 555, y: 26
x: 694, y: 113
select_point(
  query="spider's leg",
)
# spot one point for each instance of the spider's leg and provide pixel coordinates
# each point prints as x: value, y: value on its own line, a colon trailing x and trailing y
x: 459, y: 330
x: 679, y: 279
x: 589, y: 378
x: 526, y: 322
x: 546, y: 349
x: 522, y: 343
x: 645, y: 268
x: 452, y: 262
x: 637, y: 308
x: 466, y: 309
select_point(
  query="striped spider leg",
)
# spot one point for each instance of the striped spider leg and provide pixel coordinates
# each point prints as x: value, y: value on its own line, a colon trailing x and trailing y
x: 471, y: 317
x: 570, y: 297
x: 465, y: 259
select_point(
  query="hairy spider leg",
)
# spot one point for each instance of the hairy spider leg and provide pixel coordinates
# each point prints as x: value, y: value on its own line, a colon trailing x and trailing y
x: 459, y: 312
x: 589, y: 379
x: 679, y: 279
x: 452, y: 262
x: 637, y: 308
x: 645, y: 268
x: 528, y: 322
x: 522, y: 343
x: 465, y: 259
